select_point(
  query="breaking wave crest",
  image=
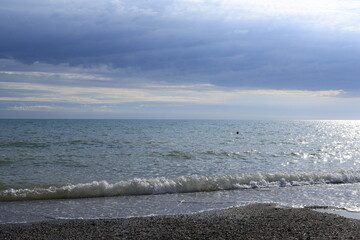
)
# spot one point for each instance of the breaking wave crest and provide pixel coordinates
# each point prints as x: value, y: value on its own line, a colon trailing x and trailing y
x: 184, y: 184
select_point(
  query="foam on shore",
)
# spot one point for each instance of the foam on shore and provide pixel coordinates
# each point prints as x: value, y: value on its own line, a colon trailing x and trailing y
x: 184, y: 184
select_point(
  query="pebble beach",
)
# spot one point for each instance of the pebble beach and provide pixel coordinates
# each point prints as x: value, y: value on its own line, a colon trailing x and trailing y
x: 256, y: 221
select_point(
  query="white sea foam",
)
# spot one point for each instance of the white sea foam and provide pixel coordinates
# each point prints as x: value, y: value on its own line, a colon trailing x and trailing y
x: 182, y: 184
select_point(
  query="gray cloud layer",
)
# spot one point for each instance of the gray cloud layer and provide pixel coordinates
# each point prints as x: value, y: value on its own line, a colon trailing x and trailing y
x: 183, y: 41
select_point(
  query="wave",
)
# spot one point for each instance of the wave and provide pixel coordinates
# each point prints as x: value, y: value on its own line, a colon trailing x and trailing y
x: 184, y: 184
x: 24, y: 144
x: 31, y: 144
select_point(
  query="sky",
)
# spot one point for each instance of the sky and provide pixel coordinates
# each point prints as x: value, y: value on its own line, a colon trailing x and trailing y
x: 180, y: 59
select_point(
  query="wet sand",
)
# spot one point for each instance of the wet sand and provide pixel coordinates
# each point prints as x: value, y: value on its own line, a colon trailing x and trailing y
x: 257, y: 221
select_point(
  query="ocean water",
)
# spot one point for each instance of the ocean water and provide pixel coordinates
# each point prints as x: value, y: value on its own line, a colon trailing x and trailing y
x: 119, y: 168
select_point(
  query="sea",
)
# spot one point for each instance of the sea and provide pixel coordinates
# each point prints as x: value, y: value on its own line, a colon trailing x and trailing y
x: 90, y: 169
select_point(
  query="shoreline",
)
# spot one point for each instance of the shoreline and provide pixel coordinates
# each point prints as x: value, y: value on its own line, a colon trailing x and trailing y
x: 255, y: 221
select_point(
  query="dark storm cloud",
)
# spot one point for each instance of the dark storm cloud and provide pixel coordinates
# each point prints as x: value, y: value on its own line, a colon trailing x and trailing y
x: 180, y: 42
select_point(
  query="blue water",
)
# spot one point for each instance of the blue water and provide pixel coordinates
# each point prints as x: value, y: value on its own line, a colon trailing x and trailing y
x: 60, y: 159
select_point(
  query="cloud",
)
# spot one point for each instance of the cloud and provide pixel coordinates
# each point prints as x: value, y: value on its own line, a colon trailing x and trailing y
x: 35, y: 108
x: 60, y: 75
x: 217, y: 52
x: 323, y: 13
x: 171, y: 101
x: 59, y: 108
x: 251, y: 41
x: 199, y: 94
